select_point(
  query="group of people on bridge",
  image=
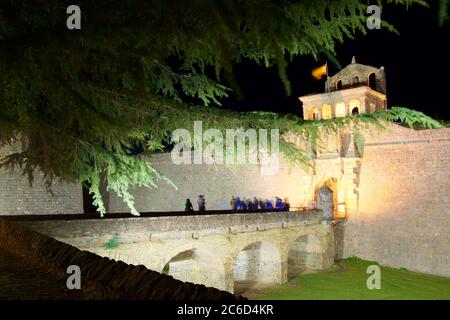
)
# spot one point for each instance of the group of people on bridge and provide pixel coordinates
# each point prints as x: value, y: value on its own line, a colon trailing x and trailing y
x: 244, y: 204
x: 258, y: 204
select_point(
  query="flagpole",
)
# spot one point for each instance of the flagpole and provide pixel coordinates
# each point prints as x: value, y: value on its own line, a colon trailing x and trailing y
x: 331, y: 94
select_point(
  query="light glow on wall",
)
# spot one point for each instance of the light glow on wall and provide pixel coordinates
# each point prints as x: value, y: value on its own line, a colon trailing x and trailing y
x: 340, y: 109
x: 341, y: 196
x: 326, y: 111
x: 341, y: 211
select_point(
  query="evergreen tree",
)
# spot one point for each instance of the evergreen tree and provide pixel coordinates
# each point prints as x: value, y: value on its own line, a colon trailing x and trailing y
x: 81, y: 100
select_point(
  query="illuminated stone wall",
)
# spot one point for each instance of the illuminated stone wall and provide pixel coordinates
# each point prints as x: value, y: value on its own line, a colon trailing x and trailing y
x: 18, y: 198
x: 217, y: 183
x: 403, y: 217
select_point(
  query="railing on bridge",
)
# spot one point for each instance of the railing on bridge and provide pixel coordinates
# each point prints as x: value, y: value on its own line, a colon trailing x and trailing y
x: 82, y: 216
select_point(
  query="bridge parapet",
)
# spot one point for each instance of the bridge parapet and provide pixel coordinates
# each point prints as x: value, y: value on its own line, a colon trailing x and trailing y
x: 95, y: 232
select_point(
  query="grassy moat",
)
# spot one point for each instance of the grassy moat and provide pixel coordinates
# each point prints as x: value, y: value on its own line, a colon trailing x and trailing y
x: 346, y: 280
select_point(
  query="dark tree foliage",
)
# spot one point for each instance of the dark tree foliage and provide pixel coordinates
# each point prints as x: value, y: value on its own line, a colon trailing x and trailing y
x: 80, y: 100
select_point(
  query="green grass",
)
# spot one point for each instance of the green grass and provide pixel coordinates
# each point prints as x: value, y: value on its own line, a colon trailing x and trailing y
x: 347, y: 280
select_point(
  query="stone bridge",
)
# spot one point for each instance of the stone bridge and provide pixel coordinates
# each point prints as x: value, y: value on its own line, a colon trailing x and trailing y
x: 218, y: 250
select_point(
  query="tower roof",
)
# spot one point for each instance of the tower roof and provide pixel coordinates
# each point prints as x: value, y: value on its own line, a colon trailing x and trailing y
x: 356, y: 74
x: 354, y: 68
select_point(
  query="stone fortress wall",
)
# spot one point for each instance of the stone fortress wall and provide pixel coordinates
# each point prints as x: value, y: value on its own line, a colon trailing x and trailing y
x: 18, y: 198
x: 396, y: 195
x: 403, y: 217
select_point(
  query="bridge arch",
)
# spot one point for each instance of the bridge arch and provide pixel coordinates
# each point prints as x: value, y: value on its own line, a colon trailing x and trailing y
x: 197, y: 265
x: 257, y: 263
x: 305, y: 252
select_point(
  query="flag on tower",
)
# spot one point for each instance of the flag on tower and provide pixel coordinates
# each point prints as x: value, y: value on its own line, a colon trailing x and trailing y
x: 319, y: 72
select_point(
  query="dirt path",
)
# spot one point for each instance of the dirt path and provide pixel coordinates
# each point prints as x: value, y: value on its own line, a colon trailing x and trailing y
x: 21, y: 280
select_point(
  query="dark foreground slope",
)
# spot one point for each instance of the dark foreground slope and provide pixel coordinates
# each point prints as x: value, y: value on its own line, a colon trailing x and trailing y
x: 33, y: 266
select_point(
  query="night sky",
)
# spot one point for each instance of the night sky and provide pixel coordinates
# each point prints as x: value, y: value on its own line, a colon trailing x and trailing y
x: 415, y: 61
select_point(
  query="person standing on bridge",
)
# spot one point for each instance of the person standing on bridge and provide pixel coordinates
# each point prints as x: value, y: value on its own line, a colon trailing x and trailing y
x: 188, y: 205
x: 255, y: 203
x: 238, y: 204
x: 244, y: 204
x: 287, y: 205
x: 201, y: 203
x: 262, y: 204
x: 233, y: 203
x: 250, y: 206
x: 279, y: 205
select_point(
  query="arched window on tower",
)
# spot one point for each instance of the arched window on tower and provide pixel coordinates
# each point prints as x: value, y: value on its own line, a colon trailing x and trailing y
x: 355, y: 81
x: 326, y: 111
x: 372, y: 81
x: 354, y: 106
x: 339, y: 84
x: 313, y: 113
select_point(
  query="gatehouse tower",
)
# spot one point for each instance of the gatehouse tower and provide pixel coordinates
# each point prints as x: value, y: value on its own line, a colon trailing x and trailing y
x: 355, y: 89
